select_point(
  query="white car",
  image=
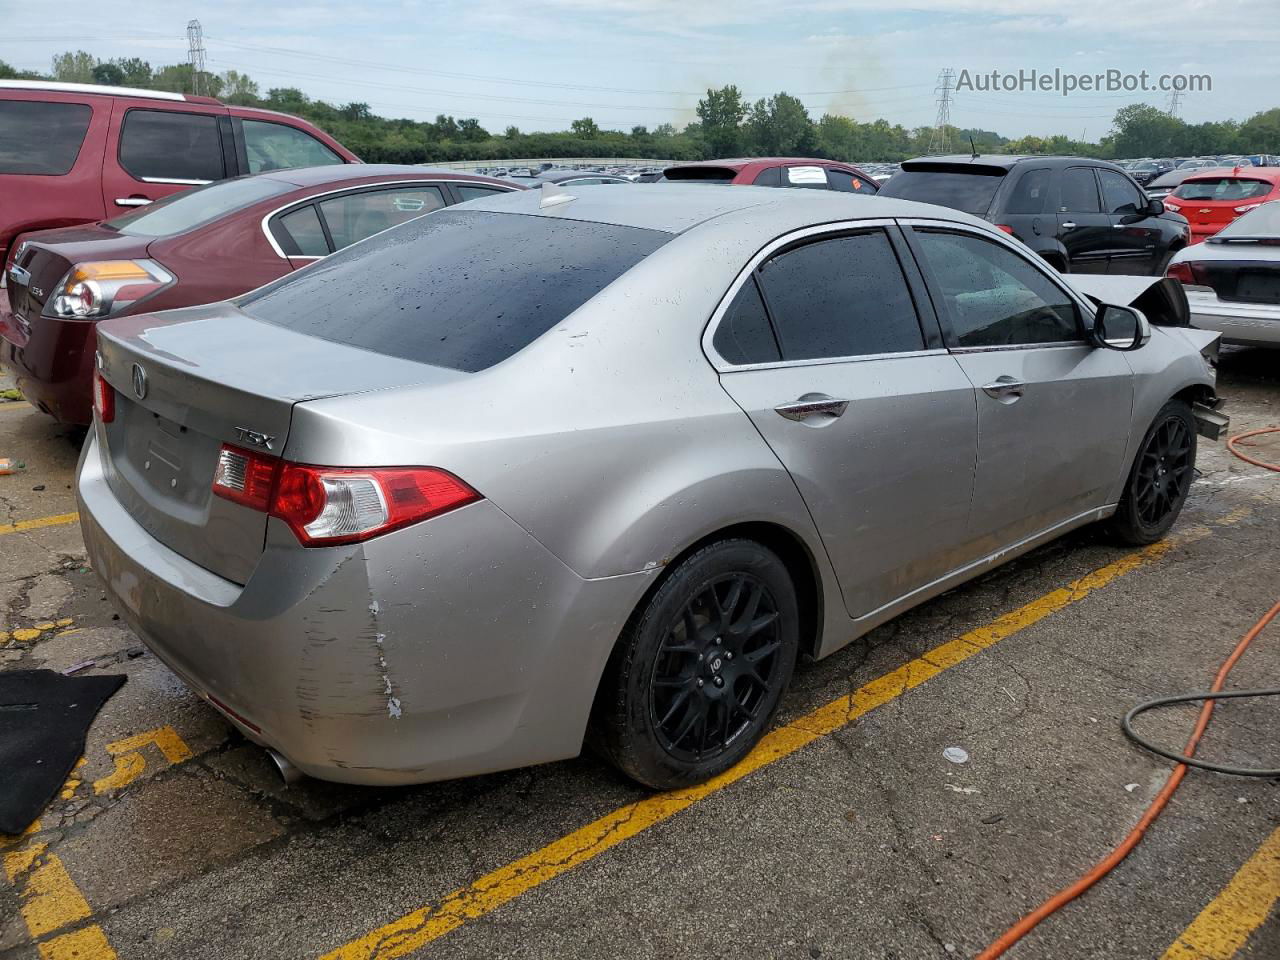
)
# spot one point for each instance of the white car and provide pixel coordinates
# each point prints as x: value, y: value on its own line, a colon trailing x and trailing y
x: 1233, y: 279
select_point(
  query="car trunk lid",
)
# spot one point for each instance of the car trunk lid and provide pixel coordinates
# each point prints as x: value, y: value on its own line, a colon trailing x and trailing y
x: 189, y: 381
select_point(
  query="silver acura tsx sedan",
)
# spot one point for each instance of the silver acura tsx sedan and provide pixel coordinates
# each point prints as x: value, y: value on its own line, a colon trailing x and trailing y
x: 598, y: 465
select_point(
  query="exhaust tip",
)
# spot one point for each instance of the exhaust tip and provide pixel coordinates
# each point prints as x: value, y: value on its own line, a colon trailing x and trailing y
x: 288, y: 772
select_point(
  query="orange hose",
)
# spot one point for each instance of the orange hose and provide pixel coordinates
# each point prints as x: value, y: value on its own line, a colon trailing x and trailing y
x: 1231, y: 445
x: 1112, y: 860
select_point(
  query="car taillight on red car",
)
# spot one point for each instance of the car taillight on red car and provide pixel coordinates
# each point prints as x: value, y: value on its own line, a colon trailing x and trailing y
x: 1191, y: 274
x: 1006, y: 228
x: 104, y: 398
x: 326, y: 506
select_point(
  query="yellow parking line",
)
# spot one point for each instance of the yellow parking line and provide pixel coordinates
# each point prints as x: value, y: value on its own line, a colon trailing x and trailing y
x: 1225, y: 924
x: 50, y: 901
x: 422, y: 926
x: 54, y: 521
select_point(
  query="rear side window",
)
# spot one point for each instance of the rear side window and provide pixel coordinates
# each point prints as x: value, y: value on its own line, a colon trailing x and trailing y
x: 467, y: 192
x: 814, y: 178
x: 1223, y: 188
x: 167, y: 145
x: 359, y: 215
x: 846, y: 182
x: 844, y: 297
x: 744, y: 334
x: 276, y: 146
x: 692, y: 174
x: 1030, y: 193
x: 1079, y: 191
x: 463, y: 289
x: 768, y: 177
x: 301, y: 234
x: 39, y: 138
x: 195, y: 207
x: 967, y: 190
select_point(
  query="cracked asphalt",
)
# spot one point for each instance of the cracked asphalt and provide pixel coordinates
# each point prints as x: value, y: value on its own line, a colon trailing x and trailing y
x: 182, y: 842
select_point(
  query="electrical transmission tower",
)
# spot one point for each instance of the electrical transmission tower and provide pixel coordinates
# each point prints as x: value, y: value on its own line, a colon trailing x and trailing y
x: 195, y: 56
x: 1175, y: 102
x: 940, y: 141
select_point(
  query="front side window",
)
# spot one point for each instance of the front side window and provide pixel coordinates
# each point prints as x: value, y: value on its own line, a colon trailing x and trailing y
x: 815, y: 178
x: 469, y: 192
x: 846, y: 182
x: 768, y: 177
x: 1119, y: 195
x: 994, y: 298
x: 358, y: 215
x: 275, y: 146
x: 843, y: 297
x: 41, y: 138
x: 168, y: 145
x: 1079, y: 191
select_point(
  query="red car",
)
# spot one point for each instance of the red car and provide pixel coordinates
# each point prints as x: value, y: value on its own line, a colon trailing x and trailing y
x: 1213, y: 198
x: 775, y: 172
x: 78, y: 153
x: 209, y: 243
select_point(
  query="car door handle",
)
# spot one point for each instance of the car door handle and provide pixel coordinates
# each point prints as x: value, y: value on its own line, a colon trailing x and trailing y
x: 812, y: 405
x: 1006, y: 389
x: 1068, y: 225
x: 132, y: 201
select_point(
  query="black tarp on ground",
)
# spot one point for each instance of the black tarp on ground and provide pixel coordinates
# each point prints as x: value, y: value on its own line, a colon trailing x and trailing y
x: 44, y: 718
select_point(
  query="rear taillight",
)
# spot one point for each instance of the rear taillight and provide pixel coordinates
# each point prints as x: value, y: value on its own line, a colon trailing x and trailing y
x: 1190, y: 274
x: 326, y: 506
x: 104, y: 398
x: 104, y: 287
x: 1005, y: 227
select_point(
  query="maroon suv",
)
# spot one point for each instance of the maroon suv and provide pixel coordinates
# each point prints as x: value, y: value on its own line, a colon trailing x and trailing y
x: 209, y: 243
x: 77, y: 153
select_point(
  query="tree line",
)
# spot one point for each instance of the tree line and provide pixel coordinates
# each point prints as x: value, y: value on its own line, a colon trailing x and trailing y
x: 727, y: 125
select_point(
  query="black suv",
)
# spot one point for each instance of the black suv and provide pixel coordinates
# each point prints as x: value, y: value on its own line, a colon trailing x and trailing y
x: 1083, y: 216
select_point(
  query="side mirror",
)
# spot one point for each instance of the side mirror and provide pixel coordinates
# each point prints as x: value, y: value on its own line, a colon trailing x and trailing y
x: 1120, y: 328
x: 1155, y: 207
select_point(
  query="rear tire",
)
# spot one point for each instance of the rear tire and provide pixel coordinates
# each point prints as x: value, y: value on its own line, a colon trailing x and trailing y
x: 1160, y: 477
x: 700, y: 668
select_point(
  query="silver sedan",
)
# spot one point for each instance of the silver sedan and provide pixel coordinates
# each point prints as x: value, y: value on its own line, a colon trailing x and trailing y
x: 594, y: 464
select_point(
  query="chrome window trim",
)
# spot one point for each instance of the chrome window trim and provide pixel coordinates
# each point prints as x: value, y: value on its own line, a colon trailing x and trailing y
x: 189, y: 183
x: 1018, y: 248
x: 836, y: 228
x: 266, y: 229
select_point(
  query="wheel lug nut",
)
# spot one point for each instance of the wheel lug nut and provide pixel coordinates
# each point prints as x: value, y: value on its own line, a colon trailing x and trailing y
x: 701, y: 681
x: 718, y: 641
x: 719, y: 681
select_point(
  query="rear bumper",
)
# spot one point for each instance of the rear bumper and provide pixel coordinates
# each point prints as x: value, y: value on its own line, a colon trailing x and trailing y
x: 1253, y: 324
x: 53, y: 365
x: 455, y: 647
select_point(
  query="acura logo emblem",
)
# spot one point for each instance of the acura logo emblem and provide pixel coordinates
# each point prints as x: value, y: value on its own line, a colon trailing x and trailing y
x: 139, y: 378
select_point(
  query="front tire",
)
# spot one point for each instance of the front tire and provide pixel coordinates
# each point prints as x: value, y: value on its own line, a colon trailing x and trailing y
x: 700, y: 668
x: 1160, y: 477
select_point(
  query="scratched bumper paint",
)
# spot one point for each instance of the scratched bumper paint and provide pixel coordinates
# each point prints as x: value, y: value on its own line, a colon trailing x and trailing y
x: 356, y: 675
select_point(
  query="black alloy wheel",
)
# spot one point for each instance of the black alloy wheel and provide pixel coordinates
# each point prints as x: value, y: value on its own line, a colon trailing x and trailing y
x: 1160, y: 478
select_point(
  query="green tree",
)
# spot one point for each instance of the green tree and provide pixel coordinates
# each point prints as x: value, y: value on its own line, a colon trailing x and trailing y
x: 108, y: 74
x: 239, y: 89
x: 136, y: 71
x: 74, y: 67
x: 838, y: 137
x: 471, y: 131
x: 1141, y: 130
x: 1260, y: 133
x: 781, y: 126
x: 720, y: 113
x: 512, y: 133
x: 585, y: 128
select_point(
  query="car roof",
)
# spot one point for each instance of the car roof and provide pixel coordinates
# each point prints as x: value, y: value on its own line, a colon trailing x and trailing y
x: 100, y: 90
x: 335, y: 172
x: 1007, y: 161
x: 1243, y: 170
x: 677, y: 207
x: 740, y: 163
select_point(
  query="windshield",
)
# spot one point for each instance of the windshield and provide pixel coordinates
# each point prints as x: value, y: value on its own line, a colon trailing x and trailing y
x: 967, y: 190
x: 1224, y: 189
x: 195, y: 207
x: 461, y: 288
x: 1262, y: 222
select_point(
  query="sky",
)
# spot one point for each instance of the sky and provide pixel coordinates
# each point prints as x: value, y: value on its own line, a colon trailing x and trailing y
x: 539, y: 64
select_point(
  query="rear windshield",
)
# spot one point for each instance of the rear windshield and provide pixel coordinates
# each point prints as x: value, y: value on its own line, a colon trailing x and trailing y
x: 967, y: 190
x: 1262, y: 223
x: 195, y: 207
x: 460, y: 288
x: 39, y: 138
x: 714, y: 175
x: 1223, y: 188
